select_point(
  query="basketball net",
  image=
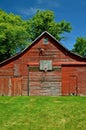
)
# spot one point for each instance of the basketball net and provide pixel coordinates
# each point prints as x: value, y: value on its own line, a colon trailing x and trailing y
x: 45, y: 68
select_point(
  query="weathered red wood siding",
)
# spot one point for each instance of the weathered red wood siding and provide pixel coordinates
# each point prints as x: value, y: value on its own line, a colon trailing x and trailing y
x: 21, y: 74
x: 45, y: 83
x: 71, y: 74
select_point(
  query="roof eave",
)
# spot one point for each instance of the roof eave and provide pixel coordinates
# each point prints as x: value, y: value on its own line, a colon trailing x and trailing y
x: 45, y: 32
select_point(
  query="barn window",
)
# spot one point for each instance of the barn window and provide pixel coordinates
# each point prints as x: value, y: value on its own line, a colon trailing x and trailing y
x: 45, y: 41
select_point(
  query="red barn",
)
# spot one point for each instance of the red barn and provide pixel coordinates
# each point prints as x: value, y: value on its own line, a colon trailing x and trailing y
x: 46, y: 67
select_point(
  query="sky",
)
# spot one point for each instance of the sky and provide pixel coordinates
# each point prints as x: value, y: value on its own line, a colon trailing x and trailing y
x: 73, y: 11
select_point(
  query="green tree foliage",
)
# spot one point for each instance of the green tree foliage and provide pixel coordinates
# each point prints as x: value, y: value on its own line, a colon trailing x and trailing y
x: 13, y: 34
x: 16, y: 33
x: 45, y: 21
x: 80, y: 46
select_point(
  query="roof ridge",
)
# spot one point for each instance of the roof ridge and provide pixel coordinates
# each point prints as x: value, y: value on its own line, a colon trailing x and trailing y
x: 45, y: 32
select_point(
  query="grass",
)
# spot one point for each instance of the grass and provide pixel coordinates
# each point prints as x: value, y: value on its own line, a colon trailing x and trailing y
x: 43, y: 113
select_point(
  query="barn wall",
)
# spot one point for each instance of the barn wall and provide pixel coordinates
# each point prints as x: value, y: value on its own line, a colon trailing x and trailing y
x: 12, y: 82
x: 45, y: 83
x: 17, y: 79
x: 74, y: 80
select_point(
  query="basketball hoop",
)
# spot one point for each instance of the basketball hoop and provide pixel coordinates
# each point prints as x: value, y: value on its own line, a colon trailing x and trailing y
x: 45, y: 68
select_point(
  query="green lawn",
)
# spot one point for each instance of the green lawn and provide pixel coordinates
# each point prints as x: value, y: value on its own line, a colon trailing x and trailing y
x: 43, y: 113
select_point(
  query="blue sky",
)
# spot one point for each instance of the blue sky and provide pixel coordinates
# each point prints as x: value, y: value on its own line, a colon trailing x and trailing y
x: 73, y: 11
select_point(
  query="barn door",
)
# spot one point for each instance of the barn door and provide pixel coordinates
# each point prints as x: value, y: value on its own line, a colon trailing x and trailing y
x: 44, y: 83
x: 73, y: 85
x: 44, y: 79
x: 16, y: 87
x: 10, y: 86
x: 4, y: 86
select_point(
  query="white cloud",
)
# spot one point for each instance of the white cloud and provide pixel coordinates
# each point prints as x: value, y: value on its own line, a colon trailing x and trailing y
x: 40, y: 5
x: 40, y: 1
x: 83, y: 3
x: 28, y: 11
x: 49, y: 3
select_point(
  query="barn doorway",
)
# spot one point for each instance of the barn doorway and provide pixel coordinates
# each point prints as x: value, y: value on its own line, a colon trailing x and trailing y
x: 44, y: 80
x: 73, y: 90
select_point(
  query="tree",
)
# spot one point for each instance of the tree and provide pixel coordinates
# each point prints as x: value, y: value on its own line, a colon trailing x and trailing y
x: 45, y: 21
x: 80, y: 46
x: 13, y: 34
x: 16, y: 34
